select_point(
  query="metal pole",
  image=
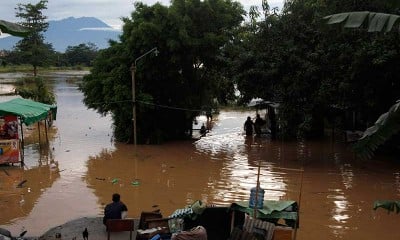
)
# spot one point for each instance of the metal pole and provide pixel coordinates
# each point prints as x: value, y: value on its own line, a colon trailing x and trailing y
x: 133, y: 69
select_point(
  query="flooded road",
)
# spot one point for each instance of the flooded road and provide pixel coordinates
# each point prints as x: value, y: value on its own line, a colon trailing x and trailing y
x: 84, y: 166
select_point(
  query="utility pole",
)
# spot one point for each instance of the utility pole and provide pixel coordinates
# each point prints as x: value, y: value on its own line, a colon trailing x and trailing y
x: 133, y: 71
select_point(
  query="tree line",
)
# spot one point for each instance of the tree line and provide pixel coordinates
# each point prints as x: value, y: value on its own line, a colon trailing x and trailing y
x: 209, y: 50
x: 81, y: 55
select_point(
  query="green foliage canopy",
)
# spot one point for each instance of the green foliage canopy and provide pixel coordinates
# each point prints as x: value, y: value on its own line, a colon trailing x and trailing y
x: 82, y: 54
x: 320, y: 74
x: 173, y: 87
x: 388, y: 124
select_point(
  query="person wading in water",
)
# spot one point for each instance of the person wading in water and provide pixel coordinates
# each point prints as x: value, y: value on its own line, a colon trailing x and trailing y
x: 248, y: 126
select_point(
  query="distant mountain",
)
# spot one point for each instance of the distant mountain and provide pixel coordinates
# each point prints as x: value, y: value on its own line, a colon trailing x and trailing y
x: 71, y: 32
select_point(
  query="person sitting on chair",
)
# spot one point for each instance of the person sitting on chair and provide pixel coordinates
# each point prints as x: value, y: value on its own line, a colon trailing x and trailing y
x: 115, y: 210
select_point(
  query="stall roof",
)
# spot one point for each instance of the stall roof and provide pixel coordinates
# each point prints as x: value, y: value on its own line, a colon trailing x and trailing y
x: 29, y: 111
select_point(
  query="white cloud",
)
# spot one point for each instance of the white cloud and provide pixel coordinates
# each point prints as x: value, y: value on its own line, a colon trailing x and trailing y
x: 100, y: 29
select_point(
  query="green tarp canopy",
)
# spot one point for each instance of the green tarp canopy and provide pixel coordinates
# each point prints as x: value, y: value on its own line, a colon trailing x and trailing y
x: 271, y: 209
x: 13, y: 29
x: 29, y: 111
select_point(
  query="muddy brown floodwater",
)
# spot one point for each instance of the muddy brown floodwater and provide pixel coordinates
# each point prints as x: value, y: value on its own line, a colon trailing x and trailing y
x: 77, y: 175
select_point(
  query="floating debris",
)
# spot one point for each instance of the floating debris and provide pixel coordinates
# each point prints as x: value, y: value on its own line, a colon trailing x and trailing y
x: 135, y: 182
x: 5, y: 171
x: 102, y: 179
x: 21, y: 183
x: 115, y: 180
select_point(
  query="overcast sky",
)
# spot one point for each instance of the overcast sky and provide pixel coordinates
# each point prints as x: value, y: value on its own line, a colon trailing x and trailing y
x: 109, y: 11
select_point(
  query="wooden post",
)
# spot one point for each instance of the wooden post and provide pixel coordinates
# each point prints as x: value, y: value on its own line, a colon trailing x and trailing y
x: 298, y: 205
x: 45, y: 128
x: 22, y: 146
x: 38, y: 124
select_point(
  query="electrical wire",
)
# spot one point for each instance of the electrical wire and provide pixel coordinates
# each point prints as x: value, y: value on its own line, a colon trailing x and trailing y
x: 152, y: 104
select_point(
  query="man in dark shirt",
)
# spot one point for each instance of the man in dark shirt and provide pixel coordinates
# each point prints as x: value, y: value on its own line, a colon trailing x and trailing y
x: 115, y: 209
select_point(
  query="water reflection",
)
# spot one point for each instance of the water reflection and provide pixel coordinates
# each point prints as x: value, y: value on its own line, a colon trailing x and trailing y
x: 341, y: 205
x: 337, y: 191
x: 18, y: 201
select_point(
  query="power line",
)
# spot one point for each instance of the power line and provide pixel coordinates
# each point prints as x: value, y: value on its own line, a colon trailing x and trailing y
x: 170, y: 107
x: 151, y: 104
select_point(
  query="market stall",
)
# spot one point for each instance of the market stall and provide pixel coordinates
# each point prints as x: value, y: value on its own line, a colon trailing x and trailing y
x: 13, y: 114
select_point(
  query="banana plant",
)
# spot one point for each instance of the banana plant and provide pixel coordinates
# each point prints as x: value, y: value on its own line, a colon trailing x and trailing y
x: 374, y: 21
x: 13, y: 29
x: 390, y: 205
x: 387, y: 125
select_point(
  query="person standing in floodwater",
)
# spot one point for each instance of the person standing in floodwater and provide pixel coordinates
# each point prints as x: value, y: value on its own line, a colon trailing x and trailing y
x: 203, y: 130
x: 258, y: 123
x: 248, y: 126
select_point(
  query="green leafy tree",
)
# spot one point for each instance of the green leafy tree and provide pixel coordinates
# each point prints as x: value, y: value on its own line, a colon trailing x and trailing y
x: 32, y: 49
x: 173, y: 87
x: 82, y: 54
x: 282, y: 64
x: 319, y: 74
